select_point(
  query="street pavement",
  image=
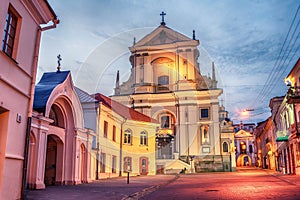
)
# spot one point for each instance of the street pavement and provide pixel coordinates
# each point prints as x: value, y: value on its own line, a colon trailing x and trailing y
x: 246, y: 183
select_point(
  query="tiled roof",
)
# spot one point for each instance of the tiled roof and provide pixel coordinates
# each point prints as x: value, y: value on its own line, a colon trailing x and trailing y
x: 45, y: 87
x: 122, y: 110
x: 84, y: 97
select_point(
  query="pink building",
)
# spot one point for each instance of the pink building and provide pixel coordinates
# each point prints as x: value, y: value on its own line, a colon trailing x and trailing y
x: 60, y: 146
x: 20, y: 33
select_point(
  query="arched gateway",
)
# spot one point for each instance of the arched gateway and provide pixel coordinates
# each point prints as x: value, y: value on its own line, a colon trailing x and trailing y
x: 59, y: 145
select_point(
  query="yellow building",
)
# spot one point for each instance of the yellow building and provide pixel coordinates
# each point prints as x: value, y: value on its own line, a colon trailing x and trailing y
x: 127, y: 134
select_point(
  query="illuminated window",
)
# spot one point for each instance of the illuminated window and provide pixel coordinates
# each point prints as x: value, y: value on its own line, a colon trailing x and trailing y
x: 165, y: 121
x: 10, y: 32
x: 204, y: 113
x: 127, y: 164
x: 225, y: 147
x: 105, y: 129
x: 143, y: 138
x: 127, y: 136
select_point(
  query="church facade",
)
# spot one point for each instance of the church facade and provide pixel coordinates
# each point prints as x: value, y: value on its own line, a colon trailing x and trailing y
x: 166, y: 84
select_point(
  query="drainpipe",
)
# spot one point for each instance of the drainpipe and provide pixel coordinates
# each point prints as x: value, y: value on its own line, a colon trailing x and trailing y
x: 30, y: 104
x: 121, y: 145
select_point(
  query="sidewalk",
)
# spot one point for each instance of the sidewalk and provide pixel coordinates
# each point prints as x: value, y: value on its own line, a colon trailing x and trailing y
x: 115, y: 188
x: 289, y: 178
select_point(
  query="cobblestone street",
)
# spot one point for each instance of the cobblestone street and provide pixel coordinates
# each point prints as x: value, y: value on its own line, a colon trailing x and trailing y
x: 246, y: 183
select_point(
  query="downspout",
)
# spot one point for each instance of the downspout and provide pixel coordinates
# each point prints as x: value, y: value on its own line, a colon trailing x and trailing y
x: 121, y: 145
x: 30, y: 104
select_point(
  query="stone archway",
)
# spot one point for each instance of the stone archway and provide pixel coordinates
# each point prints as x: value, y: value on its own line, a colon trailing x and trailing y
x: 244, y: 160
x: 54, y: 161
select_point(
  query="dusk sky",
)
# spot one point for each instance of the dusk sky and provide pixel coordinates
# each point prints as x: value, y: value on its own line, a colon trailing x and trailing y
x: 243, y: 38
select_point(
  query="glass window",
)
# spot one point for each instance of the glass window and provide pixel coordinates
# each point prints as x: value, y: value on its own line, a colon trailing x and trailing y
x: 225, y: 147
x: 143, y: 138
x: 204, y: 114
x: 9, y: 32
x: 105, y: 129
x: 163, y: 80
x: 114, y: 164
x: 102, y: 162
x: 114, y: 134
x: 127, y: 136
x: 250, y: 149
x: 165, y: 121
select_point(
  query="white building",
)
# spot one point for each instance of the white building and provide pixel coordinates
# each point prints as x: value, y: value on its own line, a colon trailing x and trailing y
x: 166, y: 84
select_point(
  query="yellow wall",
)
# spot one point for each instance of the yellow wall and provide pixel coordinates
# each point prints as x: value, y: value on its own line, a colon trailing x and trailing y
x: 133, y: 150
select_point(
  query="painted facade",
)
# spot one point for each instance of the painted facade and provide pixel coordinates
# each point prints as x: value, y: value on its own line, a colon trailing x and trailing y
x: 285, y: 143
x: 166, y: 84
x: 20, y: 34
x: 244, y: 144
x: 60, y: 146
x: 289, y: 126
x: 265, y: 145
x: 227, y: 141
x: 127, y: 134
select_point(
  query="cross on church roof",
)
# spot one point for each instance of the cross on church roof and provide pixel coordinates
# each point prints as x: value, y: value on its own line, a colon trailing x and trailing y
x: 162, y: 14
x: 58, y: 62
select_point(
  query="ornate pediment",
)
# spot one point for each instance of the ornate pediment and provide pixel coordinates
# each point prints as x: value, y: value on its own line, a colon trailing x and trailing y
x: 162, y: 35
x: 243, y: 133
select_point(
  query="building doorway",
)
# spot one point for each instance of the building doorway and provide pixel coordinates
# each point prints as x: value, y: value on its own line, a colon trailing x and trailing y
x: 143, y: 166
x: 53, y: 165
x: 164, y: 146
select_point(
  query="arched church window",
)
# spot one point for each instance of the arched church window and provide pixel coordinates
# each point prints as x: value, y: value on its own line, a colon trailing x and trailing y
x: 225, y: 147
x: 163, y: 80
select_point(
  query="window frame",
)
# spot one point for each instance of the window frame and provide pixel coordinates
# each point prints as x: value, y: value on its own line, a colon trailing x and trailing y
x: 13, y: 15
x: 227, y: 147
x: 161, y: 121
x: 105, y: 129
x: 163, y: 80
x: 127, y: 136
x: 114, y: 164
x: 144, y: 138
x: 114, y: 133
x: 208, y: 113
x: 102, y: 162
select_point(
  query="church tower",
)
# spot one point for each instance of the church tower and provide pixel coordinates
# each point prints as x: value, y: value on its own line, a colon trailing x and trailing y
x: 166, y: 84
